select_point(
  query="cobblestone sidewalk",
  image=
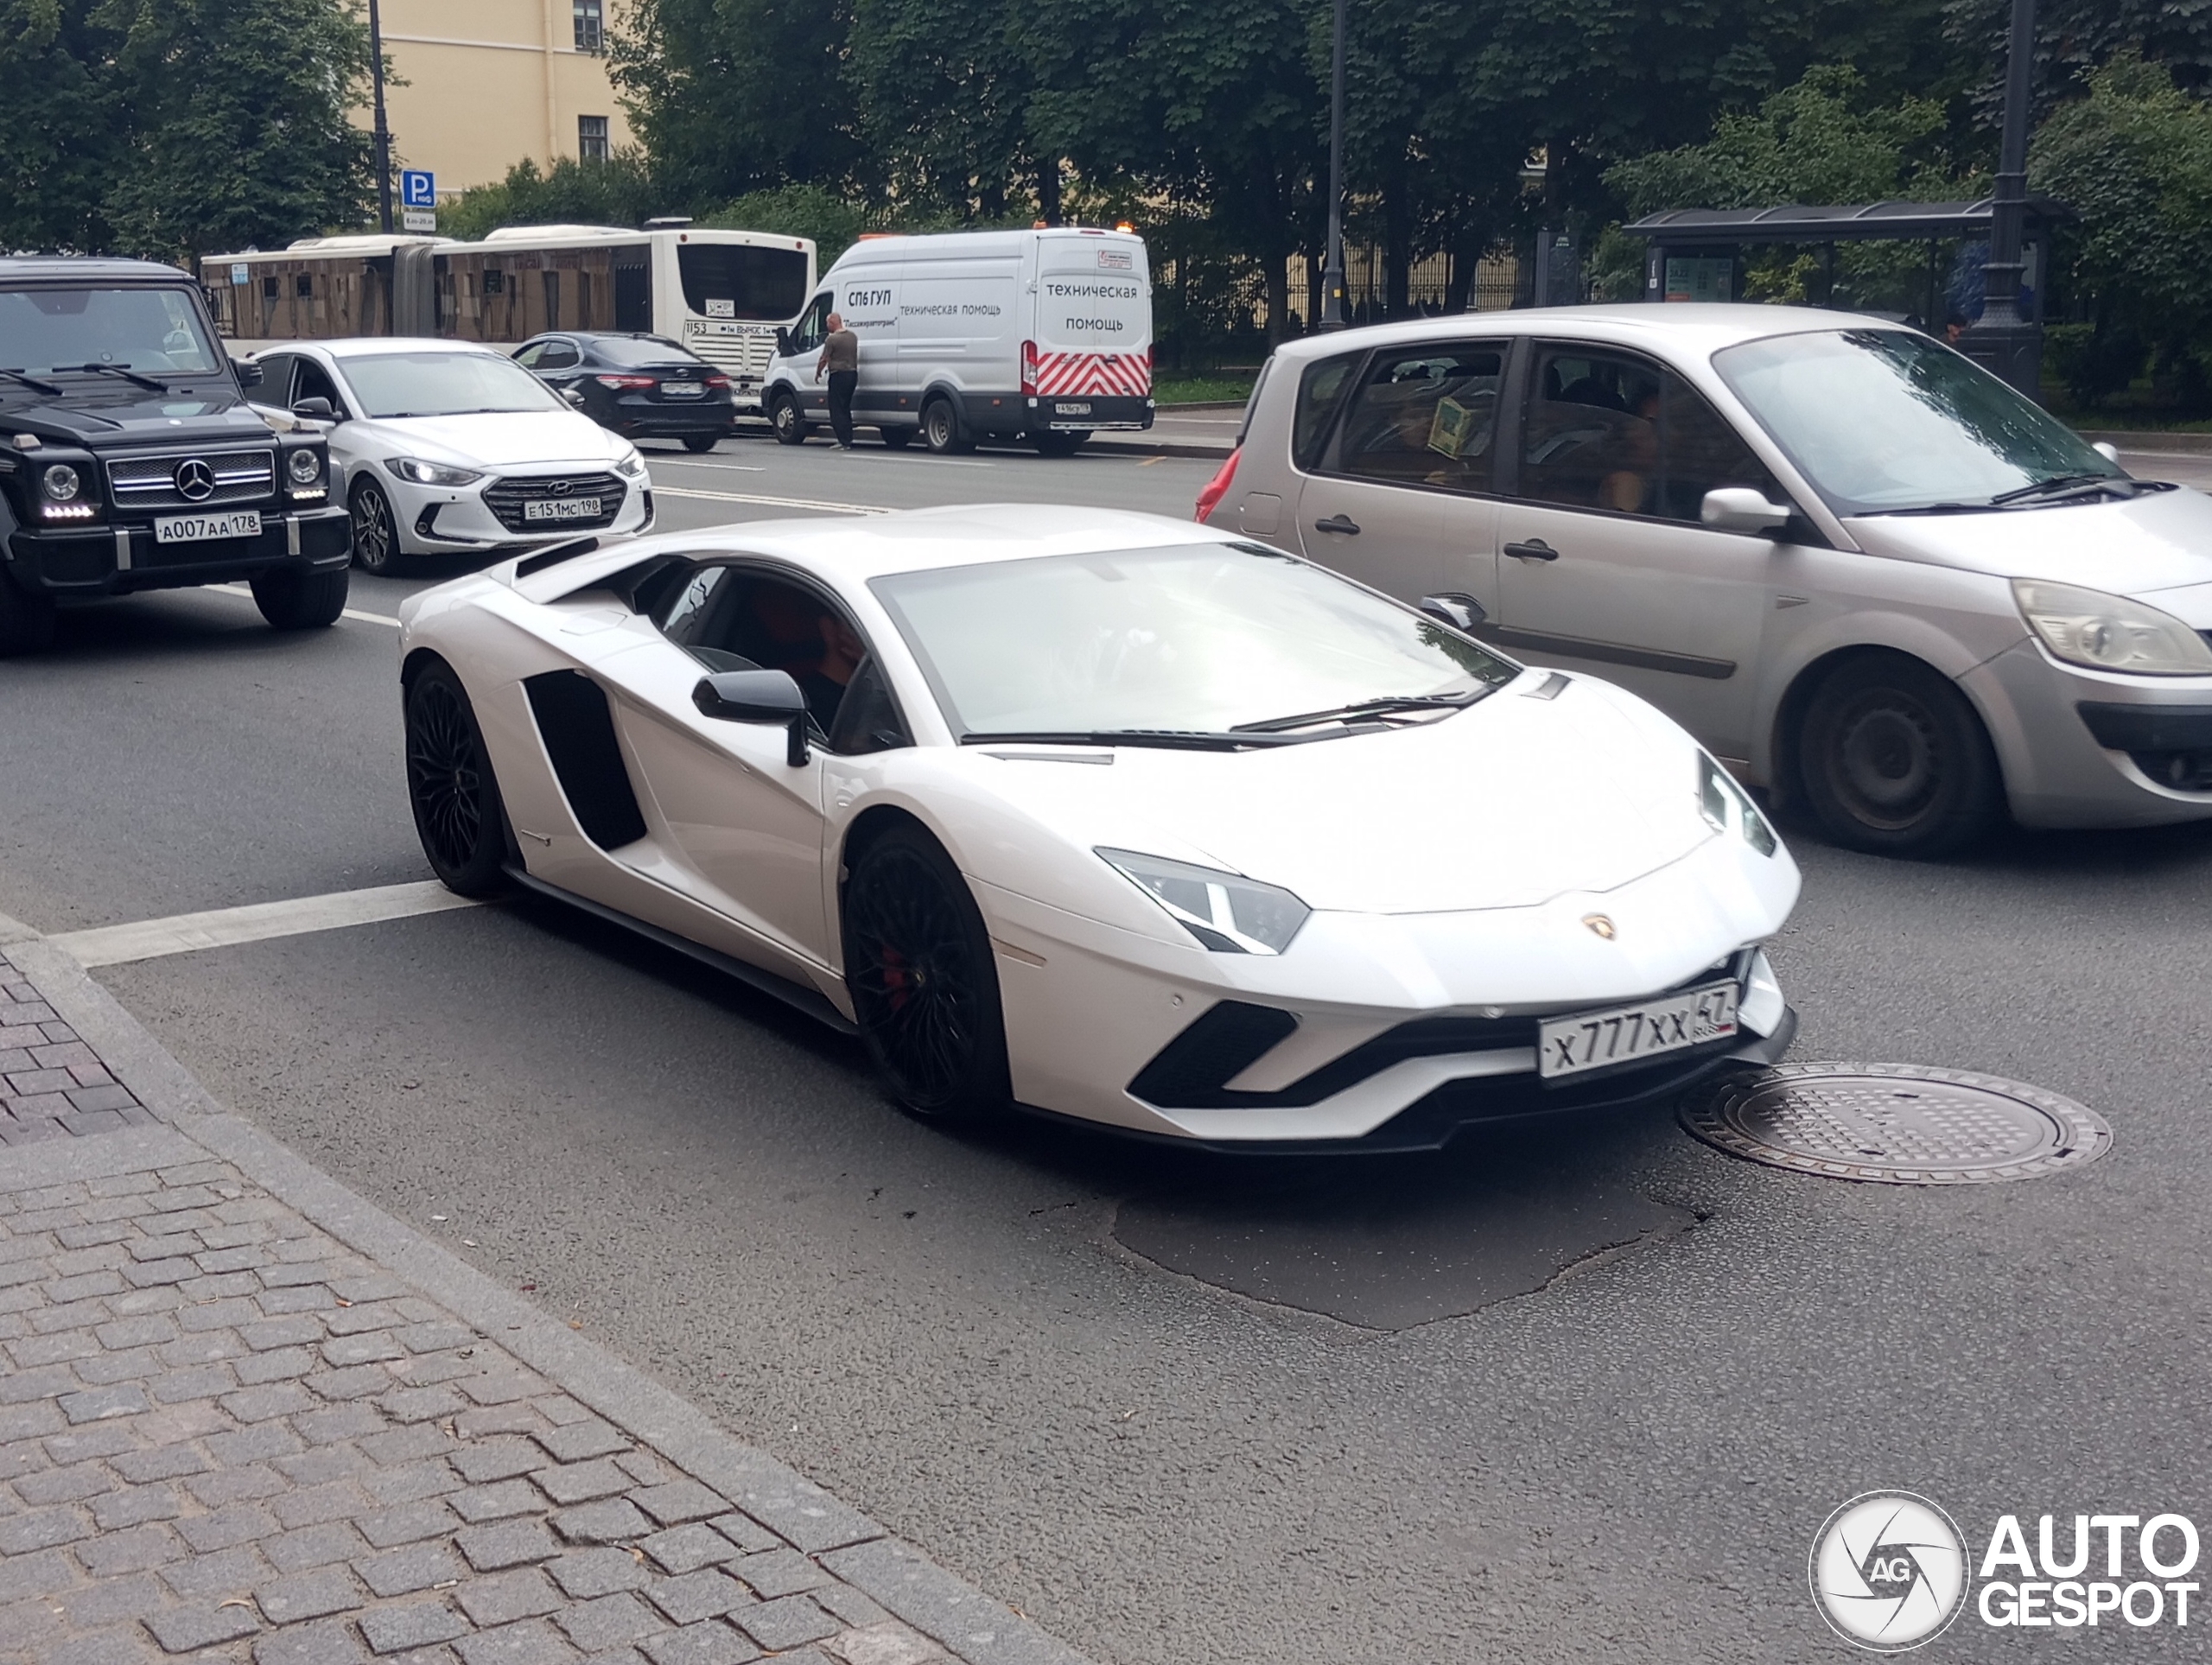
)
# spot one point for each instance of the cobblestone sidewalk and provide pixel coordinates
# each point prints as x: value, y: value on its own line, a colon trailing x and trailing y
x: 229, y: 1434
x: 51, y: 1083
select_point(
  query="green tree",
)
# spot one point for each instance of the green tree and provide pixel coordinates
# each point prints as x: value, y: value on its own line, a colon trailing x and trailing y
x: 943, y: 91
x: 621, y: 191
x: 59, y: 124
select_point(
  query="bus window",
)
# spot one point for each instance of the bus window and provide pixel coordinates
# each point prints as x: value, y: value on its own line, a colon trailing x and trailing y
x: 735, y: 280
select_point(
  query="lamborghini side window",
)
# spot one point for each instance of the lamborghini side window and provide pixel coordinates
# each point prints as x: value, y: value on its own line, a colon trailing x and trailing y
x: 867, y: 720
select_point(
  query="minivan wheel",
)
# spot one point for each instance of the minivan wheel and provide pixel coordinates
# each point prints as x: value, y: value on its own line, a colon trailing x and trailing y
x: 1896, y: 762
x: 941, y: 428
x: 789, y: 422
x: 376, y: 539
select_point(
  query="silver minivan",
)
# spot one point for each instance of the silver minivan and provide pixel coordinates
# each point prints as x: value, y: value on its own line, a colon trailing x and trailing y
x: 1868, y: 575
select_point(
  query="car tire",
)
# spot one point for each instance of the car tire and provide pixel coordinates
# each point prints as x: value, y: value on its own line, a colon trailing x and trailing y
x: 27, y: 621
x: 897, y: 439
x: 924, y: 984
x: 1895, y: 761
x: 699, y: 444
x: 787, y: 420
x: 941, y: 428
x: 290, y: 599
x: 458, y: 813
x: 1050, y: 444
x: 376, y: 533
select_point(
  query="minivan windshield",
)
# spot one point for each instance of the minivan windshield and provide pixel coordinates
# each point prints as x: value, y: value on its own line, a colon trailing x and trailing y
x: 1199, y: 639
x: 1885, y: 421
x: 152, y: 331
x: 442, y: 384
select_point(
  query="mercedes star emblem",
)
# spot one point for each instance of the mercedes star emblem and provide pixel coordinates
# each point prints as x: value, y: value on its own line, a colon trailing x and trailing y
x: 195, y: 480
x: 1600, y: 923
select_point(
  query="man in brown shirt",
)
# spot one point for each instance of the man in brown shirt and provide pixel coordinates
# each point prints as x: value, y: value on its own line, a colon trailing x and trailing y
x: 841, y: 357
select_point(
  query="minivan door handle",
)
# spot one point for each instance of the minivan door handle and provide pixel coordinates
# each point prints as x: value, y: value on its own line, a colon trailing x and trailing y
x: 1535, y: 550
x: 1339, y: 522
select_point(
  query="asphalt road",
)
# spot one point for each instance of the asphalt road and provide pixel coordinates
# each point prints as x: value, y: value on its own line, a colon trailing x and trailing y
x: 1582, y: 1392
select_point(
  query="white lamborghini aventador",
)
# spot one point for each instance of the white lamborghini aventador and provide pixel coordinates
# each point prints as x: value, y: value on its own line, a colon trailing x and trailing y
x: 1106, y: 815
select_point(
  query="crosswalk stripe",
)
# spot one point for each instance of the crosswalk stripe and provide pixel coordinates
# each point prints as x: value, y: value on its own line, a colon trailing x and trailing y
x: 188, y: 934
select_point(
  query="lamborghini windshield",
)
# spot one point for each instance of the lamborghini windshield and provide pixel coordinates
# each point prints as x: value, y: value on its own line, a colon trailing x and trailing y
x: 1202, y: 641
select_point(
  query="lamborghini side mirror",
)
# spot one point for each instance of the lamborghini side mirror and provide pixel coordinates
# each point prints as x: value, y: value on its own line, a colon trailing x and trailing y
x: 763, y: 697
x: 1455, y: 608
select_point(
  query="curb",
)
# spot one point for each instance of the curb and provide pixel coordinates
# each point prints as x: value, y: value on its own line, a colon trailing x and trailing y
x: 973, y: 1626
x: 2151, y: 441
x: 1100, y: 445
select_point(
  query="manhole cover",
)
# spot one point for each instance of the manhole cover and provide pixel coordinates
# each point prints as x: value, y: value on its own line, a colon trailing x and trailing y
x: 1896, y: 1124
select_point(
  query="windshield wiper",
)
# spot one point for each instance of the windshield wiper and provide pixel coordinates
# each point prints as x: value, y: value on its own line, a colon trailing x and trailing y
x: 31, y: 381
x: 1183, y: 740
x: 1380, y: 708
x: 124, y: 370
x: 2059, y: 486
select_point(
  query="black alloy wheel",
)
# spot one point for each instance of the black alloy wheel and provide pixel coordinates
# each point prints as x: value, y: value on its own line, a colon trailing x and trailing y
x: 290, y: 599
x: 1060, y: 444
x: 458, y: 815
x: 941, y: 428
x: 897, y: 439
x: 375, y: 537
x: 788, y: 421
x: 699, y: 444
x: 26, y: 620
x: 1896, y: 762
x: 918, y: 962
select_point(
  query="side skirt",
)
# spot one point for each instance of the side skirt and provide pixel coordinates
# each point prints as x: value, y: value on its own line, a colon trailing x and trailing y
x: 799, y: 999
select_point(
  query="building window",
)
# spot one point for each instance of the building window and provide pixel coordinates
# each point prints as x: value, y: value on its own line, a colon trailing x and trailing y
x: 591, y: 138
x: 591, y: 24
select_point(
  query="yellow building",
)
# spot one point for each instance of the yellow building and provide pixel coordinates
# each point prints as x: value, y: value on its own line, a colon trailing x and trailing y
x: 490, y: 82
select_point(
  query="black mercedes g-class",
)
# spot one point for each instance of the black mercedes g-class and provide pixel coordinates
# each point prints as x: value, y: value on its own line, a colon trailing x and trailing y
x: 130, y: 459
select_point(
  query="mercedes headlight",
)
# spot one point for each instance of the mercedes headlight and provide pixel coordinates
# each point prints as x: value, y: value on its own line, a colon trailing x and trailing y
x: 431, y: 473
x: 2110, y: 632
x: 1226, y: 912
x: 1718, y: 793
x: 305, y: 466
x: 633, y: 465
x: 61, y: 482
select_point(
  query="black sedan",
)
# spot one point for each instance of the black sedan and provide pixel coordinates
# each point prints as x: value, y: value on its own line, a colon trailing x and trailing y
x: 641, y: 386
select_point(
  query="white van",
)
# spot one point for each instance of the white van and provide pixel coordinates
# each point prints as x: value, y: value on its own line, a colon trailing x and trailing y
x: 970, y: 336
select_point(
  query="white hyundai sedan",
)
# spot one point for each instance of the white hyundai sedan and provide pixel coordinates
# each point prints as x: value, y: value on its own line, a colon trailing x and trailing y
x: 449, y: 447
x: 1108, y: 816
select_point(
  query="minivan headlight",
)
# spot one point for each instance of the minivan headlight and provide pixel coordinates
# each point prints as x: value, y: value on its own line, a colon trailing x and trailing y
x: 1716, y: 791
x: 431, y: 473
x: 1226, y: 912
x: 2110, y: 632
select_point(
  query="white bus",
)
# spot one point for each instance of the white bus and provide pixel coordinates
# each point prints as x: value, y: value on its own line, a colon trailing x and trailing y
x: 722, y: 294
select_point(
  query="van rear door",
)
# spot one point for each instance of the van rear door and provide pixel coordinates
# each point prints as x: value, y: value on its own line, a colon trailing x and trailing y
x: 1092, y: 360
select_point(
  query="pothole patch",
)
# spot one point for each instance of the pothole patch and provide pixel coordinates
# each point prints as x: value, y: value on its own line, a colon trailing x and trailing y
x: 1896, y: 1124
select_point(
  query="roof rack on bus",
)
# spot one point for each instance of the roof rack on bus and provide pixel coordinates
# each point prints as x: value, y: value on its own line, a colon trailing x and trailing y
x: 517, y: 233
x: 668, y: 222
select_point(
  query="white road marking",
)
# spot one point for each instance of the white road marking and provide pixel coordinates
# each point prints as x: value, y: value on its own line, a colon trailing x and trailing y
x: 776, y: 502
x: 348, y: 613
x: 727, y: 467
x: 187, y: 933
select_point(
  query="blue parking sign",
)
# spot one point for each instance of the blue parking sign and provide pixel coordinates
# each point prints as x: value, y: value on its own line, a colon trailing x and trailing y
x: 418, y: 189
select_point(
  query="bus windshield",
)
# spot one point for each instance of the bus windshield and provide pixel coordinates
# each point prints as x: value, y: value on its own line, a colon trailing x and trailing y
x: 738, y: 280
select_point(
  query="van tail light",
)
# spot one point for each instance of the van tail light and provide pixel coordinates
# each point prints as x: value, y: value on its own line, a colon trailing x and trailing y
x: 1029, y: 369
x: 1216, y: 488
x: 619, y: 383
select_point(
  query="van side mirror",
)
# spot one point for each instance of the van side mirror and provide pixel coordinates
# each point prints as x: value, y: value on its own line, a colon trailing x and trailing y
x: 1455, y: 608
x: 249, y: 374
x: 317, y: 409
x: 1741, y: 509
x: 764, y: 696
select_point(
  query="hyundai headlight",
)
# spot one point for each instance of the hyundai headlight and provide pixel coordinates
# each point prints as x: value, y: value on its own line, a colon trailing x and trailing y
x: 2110, y: 632
x: 1226, y: 912
x: 1718, y: 793
x: 633, y: 465
x: 431, y: 473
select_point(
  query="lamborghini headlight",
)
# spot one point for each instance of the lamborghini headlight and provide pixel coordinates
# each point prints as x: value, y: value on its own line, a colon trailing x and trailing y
x: 2110, y: 632
x: 1226, y: 912
x: 1717, y: 791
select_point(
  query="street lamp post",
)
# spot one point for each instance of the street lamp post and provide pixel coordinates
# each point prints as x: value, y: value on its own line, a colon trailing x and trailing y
x: 2002, y: 340
x: 383, y: 133
x: 1332, y: 261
